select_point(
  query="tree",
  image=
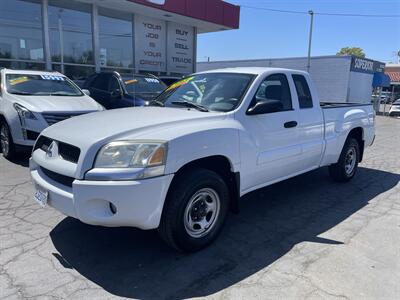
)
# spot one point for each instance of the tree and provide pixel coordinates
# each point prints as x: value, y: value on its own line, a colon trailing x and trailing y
x: 356, y: 51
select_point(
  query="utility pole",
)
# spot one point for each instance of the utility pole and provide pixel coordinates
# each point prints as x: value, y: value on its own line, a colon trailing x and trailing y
x: 61, y: 37
x: 311, y: 13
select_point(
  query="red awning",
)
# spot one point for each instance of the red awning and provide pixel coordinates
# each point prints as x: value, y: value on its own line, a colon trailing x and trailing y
x: 394, y: 76
x: 213, y: 11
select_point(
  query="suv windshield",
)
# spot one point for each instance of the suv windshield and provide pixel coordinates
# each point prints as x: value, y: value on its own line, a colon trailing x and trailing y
x: 211, y: 91
x: 143, y: 85
x: 43, y: 85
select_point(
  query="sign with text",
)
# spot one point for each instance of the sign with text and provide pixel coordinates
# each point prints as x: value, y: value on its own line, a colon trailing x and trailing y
x: 180, y: 48
x: 364, y: 65
x: 150, y: 44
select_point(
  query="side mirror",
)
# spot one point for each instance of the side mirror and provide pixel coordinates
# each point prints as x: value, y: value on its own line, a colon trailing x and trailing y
x: 264, y: 106
x: 86, y: 92
x: 116, y: 93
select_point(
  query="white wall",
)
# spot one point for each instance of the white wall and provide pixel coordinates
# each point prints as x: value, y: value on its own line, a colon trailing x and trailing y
x: 360, y: 87
x: 330, y: 73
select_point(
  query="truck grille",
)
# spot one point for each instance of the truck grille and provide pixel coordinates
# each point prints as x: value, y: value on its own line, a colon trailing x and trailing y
x: 66, y: 151
x: 62, y: 179
x: 52, y: 118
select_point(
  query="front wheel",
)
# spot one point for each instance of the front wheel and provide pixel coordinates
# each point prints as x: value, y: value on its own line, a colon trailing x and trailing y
x: 347, y: 166
x: 195, y: 210
x: 6, y: 142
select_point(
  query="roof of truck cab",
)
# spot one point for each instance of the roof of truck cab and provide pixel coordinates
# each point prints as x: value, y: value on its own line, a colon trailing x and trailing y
x: 252, y: 70
x: 31, y: 72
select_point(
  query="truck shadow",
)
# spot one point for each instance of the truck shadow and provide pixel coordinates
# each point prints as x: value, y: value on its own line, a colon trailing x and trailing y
x: 136, y: 264
x: 22, y: 159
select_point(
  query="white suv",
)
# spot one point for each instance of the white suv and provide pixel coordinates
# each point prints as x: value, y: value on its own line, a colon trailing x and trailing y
x: 30, y: 101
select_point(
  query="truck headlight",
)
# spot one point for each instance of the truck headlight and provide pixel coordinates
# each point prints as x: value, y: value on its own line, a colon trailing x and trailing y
x: 131, y: 154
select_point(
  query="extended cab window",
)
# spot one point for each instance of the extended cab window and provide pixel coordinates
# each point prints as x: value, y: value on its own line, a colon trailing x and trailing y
x: 303, y: 91
x: 275, y: 87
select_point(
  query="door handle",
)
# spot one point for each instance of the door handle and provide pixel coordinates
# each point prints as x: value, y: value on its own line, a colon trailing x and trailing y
x: 290, y: 124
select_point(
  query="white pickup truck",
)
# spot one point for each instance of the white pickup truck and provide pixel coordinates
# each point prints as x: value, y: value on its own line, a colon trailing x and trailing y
x: 207, y: 140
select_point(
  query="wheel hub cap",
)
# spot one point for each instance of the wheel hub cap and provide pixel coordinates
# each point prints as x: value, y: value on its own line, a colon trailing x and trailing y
x: 350, y: 160
x: 202, y: 212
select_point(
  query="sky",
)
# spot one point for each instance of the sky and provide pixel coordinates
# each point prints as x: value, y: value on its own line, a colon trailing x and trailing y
x: 266, y: 34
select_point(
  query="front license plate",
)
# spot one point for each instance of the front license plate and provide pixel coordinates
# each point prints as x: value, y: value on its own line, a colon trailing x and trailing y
x: 41, y: 197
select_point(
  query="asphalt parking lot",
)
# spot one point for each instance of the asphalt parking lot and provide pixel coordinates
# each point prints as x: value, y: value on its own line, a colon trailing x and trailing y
x: 305, y: 238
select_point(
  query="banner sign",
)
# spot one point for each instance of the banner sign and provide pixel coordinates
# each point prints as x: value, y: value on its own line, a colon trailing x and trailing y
x: 180, y: 48
x: 363, y: 65
x: 150, y: 44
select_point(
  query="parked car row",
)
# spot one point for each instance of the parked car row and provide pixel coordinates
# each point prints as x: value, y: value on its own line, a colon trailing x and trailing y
x: 30, y: 101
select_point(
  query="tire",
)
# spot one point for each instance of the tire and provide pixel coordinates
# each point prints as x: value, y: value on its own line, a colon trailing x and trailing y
x: 193, y: 193
x: 347, y: 166
x: 7, y: 146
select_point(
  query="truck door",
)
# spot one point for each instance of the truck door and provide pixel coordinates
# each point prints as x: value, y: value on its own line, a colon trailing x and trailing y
x: 270, y: 146
x: 310, y: 124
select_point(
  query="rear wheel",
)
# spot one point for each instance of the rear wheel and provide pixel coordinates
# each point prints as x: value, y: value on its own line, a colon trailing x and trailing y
x: 195, y: 210
x: 347, y: 166
x: 6, y: 142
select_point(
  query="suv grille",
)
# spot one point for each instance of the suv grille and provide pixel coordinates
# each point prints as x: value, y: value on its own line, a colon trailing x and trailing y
x: 62, y: 179
x: 52, y: 118
x: 66, y: 151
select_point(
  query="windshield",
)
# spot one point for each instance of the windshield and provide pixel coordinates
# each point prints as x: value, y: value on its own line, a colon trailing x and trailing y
x: 143, y: 85
x: 43, y: 85
x: 212, y: 91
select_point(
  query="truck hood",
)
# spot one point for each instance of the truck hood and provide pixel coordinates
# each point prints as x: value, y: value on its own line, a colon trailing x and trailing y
x: 127, y: 123
x: 56, y: 103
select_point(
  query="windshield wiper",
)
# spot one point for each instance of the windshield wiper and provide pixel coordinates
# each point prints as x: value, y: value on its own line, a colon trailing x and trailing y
x: 191, y: 104
x: 158, y: 103
x: 59, y: 93
x: 20, y: 93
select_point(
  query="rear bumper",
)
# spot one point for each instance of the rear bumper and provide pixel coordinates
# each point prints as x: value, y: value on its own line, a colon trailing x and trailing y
x: 137, y: 203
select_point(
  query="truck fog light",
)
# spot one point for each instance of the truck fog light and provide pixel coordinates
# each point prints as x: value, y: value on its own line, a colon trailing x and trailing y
x: 113, y: 208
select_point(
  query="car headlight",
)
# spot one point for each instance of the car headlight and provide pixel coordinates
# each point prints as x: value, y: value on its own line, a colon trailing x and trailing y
x: 23, y: 112
x: 149, y: 156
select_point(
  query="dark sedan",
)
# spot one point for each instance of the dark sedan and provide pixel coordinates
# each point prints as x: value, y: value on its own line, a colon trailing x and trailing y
x: 115, y: 90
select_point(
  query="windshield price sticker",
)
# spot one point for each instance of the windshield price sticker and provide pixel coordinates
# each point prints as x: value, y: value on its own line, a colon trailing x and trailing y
x: 151, y: 80
x: 179, y: 83
x: 19, y: 80
x: 52, y: 77
x: 131, y: 81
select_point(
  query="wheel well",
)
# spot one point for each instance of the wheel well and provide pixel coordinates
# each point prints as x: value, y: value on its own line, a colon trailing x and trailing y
x: 220, y: 165
x: 358, y: 133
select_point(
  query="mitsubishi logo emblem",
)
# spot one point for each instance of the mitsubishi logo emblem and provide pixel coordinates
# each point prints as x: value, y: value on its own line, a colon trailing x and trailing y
x: 52, y: 150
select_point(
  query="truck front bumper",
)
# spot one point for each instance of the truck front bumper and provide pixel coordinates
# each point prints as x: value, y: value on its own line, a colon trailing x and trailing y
x: 136, y: 203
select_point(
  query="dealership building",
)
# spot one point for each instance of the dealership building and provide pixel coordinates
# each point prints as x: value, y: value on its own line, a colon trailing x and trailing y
x: 79, y: 37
